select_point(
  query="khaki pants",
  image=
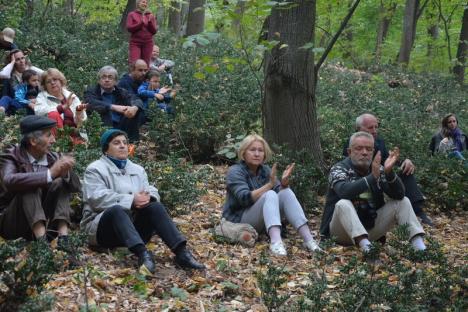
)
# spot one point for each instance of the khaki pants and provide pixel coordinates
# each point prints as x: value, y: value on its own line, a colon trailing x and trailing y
x: 345, y: 224
x: 49, y: 205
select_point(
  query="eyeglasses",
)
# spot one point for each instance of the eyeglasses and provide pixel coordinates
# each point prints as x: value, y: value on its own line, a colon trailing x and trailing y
x: 51, y: 80
x: 110, y: 77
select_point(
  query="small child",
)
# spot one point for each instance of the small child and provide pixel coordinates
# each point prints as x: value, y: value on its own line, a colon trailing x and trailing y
x: 25, y: 94
x: 150, y: 90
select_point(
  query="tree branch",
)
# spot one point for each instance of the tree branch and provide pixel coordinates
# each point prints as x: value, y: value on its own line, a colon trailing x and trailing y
x: 421, y: 9
x: 343, y: 25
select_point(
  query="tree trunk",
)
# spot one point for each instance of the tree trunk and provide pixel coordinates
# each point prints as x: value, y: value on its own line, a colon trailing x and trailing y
x: 289, y: 107
x: 161, y: 16
x: 462, y: 51
x: 29, y: 8
x: 236, y: 21
x: 175, y: 17
x: 131, y: 5
x: 409, y: 31
x: 386, y: 15
x: 69, y: 7
x: 196, y: 17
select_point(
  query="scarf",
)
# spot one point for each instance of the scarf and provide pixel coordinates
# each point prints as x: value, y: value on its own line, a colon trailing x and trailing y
x: 118, y: 162
x: 456, y: 135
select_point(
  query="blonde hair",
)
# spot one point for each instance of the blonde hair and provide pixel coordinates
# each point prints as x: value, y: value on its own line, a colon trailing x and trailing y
x: 53, y: 72
x: 249, y: 140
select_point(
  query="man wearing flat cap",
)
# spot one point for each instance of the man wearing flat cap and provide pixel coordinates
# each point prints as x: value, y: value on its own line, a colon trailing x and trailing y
x: 35, y: 185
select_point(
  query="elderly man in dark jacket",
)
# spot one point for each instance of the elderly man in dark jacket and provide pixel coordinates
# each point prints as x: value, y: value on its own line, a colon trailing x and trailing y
x: 355, y: 209
x: 118, y: 108
x: 35, y: 185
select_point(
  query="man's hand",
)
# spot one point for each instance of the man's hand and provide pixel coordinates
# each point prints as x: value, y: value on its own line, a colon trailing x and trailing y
x: 62, y: 166
x: 131, y: 111
x: 392, y: 159
x: 286, y: 174
x: 375, y: 166
x: 141, y: 199
x: 407, y: 167
x: 273, y: 175
x: 119, y: 108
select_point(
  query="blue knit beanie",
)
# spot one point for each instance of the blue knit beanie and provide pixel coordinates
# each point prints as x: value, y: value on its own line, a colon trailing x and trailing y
x: 108, y: 135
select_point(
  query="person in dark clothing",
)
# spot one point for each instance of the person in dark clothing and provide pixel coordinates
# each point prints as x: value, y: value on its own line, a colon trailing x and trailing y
x: 132, y: 81
x: 121, y: 208
x: 355, y: 209
x: 369, y: 124
x: 117, y: 108
x: 36, y: 184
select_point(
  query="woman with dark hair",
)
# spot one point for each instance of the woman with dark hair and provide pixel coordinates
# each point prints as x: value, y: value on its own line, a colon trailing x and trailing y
x: 121, y: 208
x: 142, y: 26
x: 16, y: 63
x: 450, y: 139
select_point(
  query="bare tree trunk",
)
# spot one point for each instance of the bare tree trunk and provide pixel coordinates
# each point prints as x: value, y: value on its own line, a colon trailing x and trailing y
x: 196, y: 17
x: 131, y: 5
x: 462, y: 51
x: 69, y: 7
x: 161, y: 16
x: 289, y: 107
x: 409, y: 31
x: 386, y: 15
x: 29, y: 8
x: 175, y: 17
x: 240, y: 8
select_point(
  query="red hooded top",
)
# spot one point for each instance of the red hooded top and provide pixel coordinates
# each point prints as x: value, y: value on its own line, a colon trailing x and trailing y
x: 142, y: 26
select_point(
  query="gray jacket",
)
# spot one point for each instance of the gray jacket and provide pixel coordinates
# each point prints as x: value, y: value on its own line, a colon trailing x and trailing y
x: 106, y: 186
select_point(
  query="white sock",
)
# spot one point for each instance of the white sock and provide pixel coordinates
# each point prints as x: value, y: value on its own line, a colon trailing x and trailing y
x: 275, y: 234
x: 364, y: 244
x: 418, y: 243
x: 304, y: 231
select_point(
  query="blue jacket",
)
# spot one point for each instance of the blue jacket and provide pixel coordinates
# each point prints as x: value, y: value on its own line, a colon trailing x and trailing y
x: 240, y: 183
x: 21, y: 94
x: 147, y: 95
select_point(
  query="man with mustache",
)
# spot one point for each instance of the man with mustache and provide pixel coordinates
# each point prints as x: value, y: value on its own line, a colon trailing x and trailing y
x: 355, y: 210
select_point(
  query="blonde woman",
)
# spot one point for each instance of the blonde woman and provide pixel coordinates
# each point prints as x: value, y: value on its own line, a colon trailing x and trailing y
x: 255, y: 196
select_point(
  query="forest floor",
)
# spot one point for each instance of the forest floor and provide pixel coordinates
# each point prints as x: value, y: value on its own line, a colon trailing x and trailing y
x: 229, y: 282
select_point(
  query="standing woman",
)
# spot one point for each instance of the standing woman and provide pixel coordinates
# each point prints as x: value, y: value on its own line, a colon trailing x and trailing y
x: 142, y: 26
x: 450, y: 139
x: 255, y: 196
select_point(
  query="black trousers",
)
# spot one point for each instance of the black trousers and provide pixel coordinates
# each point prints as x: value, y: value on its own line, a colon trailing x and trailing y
x: 413, y: 192
x: 117, y: 228
x: 130, y: 126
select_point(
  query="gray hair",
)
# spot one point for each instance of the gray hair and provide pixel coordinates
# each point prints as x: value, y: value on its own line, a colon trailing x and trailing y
x: 359, y: 134
x: 360, y: 120
x: 108, y: 70
x: 28, y: 136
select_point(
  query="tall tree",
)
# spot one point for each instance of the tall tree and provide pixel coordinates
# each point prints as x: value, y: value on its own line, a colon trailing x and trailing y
x: 175, y: 17
x: 131, y: 5
x: 196, y: 17
x: 289, y: 108
x: 462, y: 51
x: 409, y: 31
x: 386, y: 11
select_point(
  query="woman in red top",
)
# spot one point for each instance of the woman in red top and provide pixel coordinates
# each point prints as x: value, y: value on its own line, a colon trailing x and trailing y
x: 142, y: 26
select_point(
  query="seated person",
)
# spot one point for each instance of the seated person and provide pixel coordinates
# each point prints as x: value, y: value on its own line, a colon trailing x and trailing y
x: 355, y: 210
x: 255, y: 196
x: 59, y: 104
x: 25, y: 94
x: 150, y: 90
x: 7, y: 38
x: 450, y: 139
x: 134, y: 78
x: 370, y: 124
x: 121, y: 208
x: 36, y: 184
x: 161, y: 65
x: 117, y: 108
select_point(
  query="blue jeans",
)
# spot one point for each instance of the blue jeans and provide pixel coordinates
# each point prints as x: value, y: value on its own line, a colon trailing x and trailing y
x: 11, y: 106
x: 458, y: 155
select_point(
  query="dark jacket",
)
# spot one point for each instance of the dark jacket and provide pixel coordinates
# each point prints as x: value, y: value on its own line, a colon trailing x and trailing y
x: 435, y: 145
x: 346, y: 183
x: 93, y: 97
x: 240, y: 183
x: 140, y: 31
x: 17, y: 175
x: 129, y: 84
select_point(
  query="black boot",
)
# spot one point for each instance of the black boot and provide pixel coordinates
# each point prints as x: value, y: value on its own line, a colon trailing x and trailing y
x: 185, y: 260
x: 145, y: 258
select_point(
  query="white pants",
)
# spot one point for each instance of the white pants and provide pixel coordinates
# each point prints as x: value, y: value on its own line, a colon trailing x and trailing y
x: 270, y: 207
x: 345, y: 224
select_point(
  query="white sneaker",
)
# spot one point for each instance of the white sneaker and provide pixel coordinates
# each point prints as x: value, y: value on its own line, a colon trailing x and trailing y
x: 312, y: 246
x: 277, y: 249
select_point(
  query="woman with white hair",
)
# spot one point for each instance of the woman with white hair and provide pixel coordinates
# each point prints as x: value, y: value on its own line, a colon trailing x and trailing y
x: 255, y: 196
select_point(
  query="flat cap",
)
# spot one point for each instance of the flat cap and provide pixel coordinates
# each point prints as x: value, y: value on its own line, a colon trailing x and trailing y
x: 32, y: 123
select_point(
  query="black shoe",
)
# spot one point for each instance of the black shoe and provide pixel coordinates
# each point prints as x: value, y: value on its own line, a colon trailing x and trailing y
x: 186, y: 261
x: 146, y: 259
x: 425, y: 219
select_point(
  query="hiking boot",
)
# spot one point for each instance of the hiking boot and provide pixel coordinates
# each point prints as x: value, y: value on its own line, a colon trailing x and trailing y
x: 425, y: 219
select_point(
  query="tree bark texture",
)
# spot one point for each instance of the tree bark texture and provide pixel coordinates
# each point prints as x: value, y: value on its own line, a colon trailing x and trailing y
x: 462, y: 51
x: 409, y: 31
x: 386, y: 15
x: 196, y: 17
x: 289, y: 108
x: 175, y: 17
x: 131, y: 5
